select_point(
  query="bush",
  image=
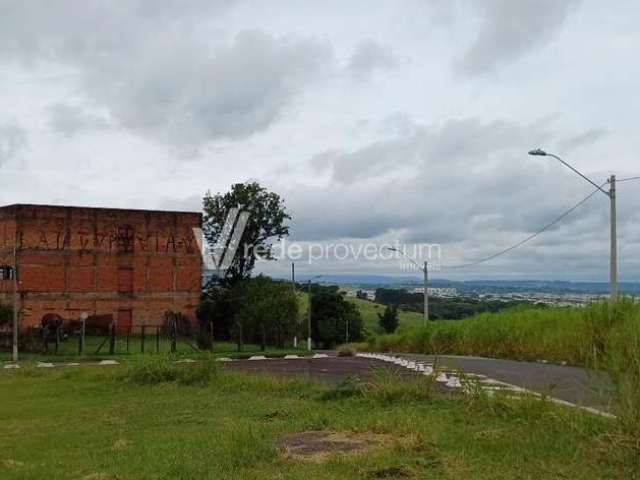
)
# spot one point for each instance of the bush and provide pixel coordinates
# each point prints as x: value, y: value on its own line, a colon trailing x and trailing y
x: 346, y: 351
x: 163, y: 369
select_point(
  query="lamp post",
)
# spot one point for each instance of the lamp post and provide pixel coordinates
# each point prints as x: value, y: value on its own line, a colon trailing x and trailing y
x: 309, y: 313
x: 613, y: 254
x: 425, y: 272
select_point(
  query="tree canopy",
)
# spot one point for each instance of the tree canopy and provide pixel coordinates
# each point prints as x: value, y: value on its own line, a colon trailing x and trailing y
x: 258, y: 310
x: 334, y: 320
x: 388, y: 321
x: 267, y: 222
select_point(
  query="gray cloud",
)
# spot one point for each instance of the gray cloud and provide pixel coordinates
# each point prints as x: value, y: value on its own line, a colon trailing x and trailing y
x: 583, y: 139
x: 456, y: 182
x: 69, y: 120
x: 510, y: 29
x: 12, y: 139
x: 159, y: 71
x: 370, y: 57
x: 437, y: 149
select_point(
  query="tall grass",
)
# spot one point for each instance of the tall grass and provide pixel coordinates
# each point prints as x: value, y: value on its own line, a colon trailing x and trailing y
x: 602, y: 335
x: 577, y: 336
x: 164, y: 369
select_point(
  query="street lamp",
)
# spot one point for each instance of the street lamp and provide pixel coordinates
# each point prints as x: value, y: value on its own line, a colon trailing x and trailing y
x: 309, y: 312
x: 425, y: 271
x: 613, y: 258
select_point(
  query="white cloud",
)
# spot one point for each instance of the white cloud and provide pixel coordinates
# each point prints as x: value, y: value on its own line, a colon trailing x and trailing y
x: 159, y: 73
x: 370, y: 57
x: 509, y: 29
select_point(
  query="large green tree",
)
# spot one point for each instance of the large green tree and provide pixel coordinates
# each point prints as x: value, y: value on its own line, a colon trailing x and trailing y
x: 267, y: 310
x: 334, y: 320
x: 267, y: 223
x: 260, y: 310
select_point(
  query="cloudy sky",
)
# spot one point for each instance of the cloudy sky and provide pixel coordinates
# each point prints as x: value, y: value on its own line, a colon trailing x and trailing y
x: 377, y: 121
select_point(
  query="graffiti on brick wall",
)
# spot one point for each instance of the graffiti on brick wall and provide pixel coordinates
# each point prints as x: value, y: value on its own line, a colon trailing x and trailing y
x: 120, y: 239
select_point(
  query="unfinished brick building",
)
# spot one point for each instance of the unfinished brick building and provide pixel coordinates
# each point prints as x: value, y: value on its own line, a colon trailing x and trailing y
x: 132, y: 264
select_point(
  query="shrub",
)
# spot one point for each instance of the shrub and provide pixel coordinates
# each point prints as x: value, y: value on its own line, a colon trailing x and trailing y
x: 346, y: 351
x: 163, y: 369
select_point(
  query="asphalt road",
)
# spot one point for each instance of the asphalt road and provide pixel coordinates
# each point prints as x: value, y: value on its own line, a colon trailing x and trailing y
x: 330, y: 370
x: 581, y: 386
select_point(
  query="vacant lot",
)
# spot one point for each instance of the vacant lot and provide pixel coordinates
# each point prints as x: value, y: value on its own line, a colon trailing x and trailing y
x: 163, y: 421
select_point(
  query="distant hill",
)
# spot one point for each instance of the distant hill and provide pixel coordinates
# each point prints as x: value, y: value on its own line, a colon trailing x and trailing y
x: 485, y: 286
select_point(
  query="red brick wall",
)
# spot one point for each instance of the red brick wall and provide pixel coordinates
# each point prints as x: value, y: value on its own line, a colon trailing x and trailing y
x: 73, y: 260
x: 7, y: 242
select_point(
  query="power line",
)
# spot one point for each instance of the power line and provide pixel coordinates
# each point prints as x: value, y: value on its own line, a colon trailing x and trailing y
x: 530, y: 237
x: 628, y: 179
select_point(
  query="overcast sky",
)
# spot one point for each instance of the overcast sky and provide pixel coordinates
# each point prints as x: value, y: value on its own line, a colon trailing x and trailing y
x: 376, y: 121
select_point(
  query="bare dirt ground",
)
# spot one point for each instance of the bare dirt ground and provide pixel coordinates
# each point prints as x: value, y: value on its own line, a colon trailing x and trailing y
x: 318, y: 445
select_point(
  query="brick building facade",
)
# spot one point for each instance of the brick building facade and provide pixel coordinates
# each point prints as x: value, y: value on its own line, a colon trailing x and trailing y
x: 132, y: 264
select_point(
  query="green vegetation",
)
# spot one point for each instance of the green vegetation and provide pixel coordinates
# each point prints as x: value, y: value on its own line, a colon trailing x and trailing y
x: 69, y: 351
x: 369, y: 311
x: 441, y: 308
x: 578, y: 336
x: 600, y: 336
x: 259, y: 309
x: 165, y: 370
x: 333, y: 319
x: 87, y: 423
x: 389, y: 320
x: 266, y: 221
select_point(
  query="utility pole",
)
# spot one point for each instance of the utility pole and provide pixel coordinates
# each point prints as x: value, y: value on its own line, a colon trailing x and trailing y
x: 426, y: 293
x: 346, y: 333
x: 14, y: 355
x: 309, y: 312
x: 613, y: 260
x: 425, y: 272
x: 293, y: 284
x: 309, y: 319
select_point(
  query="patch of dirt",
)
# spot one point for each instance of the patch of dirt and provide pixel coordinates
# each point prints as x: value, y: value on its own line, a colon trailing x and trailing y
x: 391, y: 472
x: 11, y: 463
x: 317, y: 445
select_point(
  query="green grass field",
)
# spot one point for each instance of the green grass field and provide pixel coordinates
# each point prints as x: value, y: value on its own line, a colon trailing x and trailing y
x: 369, y: 311
x: 68, y: 351
x: 89, y: 423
